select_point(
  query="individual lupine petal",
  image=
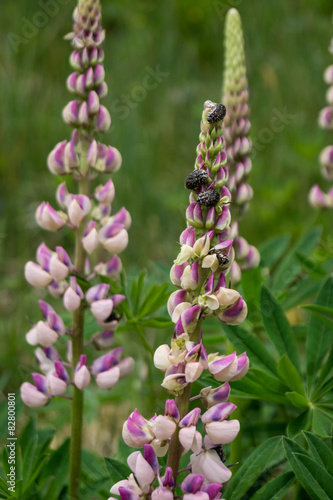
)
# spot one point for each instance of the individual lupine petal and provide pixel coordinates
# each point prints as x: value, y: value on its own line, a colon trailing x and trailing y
x: 211, y: 218
x: 112, y: 268
x: 235, y: 314
x: 71, y: 82
x: 126, y: 366
x: 235, y: 273
x: 186, y: 253
x: 90, y: 239
x: 31, y: 336
x: 213, y: 490
x: 224, y: 219
x: 328, y: 75
x: 252, y: 259
x: 71, y: 158
x: 93, y: 102
x: 174, y: 380
x: 99, y: 74
x: 50, y: 219
x: 56, y: 323
x: 70, y: 113
x: 191, y: 419
x: 171, y: 410
x: 105, y: 194
x: 210, y: 466
x: 62, y: 195
x: 78, y: 207
x: 46, y: 358
x: 202, y: 245
x: 122, y: 217
x: 43, y: 256
x: 326, y: 160
x: 190, y: 317
x: 73, y: 295
x: 175, y: 299
x: 326, y: 118
x: 227, y: 296
x: 190, y: 277
x: 187, y: 237
x: 108, y: 379
x: 218, y: 413
x: 114, y: 237
x: 137, y: 431
x: 36, y: 395
x: 58, y: 381
x: 55, y: 159
x: 104, y: 339
x: 162, y: 493
x: 103, y: 120
x: 176, y: 274
x: 36, y: 276
x: 164, y: 427
x: 211, y: 397
x: 161, y: 357
x: 58, y: 270
x: 81, y: 88
x: 83, y: 115
x: 82, y: 375
x: 192, y: 483
x: 223, y: 368
x: 102, y: 309
x: 92, y: 154
x: 58, y: 289
x: 97, y: 292
x: 102, y: 90
x: 222, y: 432
x: 45, y: 335
x: 190, y: 438
x: 318, y: 199
x: 109, y: 159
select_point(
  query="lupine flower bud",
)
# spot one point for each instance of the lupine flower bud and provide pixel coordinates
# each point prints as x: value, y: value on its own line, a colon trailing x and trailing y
x: 231, y: 367
x: 90, y: 239
x: 219, y: 430
x: 211, y: 397
x: 50, y: 219
x: 114, y: 237
x: 36, y: 276
x: 36, y: 395
x: 58, y: 381
x: 82, y: 375
x: 78, y: 207
x: 73, y: 295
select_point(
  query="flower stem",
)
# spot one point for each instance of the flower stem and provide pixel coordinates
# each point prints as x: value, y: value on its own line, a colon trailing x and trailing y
x: 77, y: 350
x: 182, y: 402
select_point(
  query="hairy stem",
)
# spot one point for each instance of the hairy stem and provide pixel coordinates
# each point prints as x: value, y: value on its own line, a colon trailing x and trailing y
x: 77, y: 349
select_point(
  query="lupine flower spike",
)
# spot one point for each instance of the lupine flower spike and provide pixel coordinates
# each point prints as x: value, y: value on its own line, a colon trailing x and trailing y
x: 201, y: 273
x: 88, y: 213
x: 235, y: 96
x: 317, y: 197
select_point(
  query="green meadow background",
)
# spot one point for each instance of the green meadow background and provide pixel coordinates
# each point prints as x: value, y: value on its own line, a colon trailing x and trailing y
x: 155, y: 129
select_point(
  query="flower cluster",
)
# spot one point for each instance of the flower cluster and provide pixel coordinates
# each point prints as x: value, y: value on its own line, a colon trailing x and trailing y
x: 88, y: 213
x: 237, y: 142
x: 317, y: 197
x: 146, y: 481
x: 200, y: 272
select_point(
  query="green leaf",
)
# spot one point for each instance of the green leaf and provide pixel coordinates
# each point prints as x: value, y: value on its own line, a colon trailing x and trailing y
x: 276, y: 488
x: 323, y: 313
x: 290, y: 267
x: 272, y: 249
x: 278, y: 327
x: 156, y: 297
x: 244, y: 340
x: 290, y: 375
x: 316, y: 477
x: 319, y: 337
x: 299, y: 424
x: 301, y: 292
x: 320, y: 451
x: 158, y: 322
x: 310, y: 474
x: 136, y: 291
x: 254, y: 388
x: 297, y: 399
x: 28, y: 459
x: 251, y: 469
x: 251, y: 283
x: 118, y: 471
x: 321, y: 424
x: 325, y: 371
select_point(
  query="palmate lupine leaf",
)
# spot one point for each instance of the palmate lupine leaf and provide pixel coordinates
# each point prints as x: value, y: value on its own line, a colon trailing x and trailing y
x: 312, y: 476
x: 251, y: 469
x: 277, y: 326
x: 319, y: 336
x: 276, y: 488
x: 320, y: 451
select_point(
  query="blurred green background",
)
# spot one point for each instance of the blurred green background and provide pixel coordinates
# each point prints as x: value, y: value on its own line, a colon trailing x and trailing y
x: 157, y: 133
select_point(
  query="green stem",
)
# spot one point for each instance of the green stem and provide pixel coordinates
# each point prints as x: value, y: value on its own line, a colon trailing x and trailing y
x: 77, y: 349
x: 182, y: 402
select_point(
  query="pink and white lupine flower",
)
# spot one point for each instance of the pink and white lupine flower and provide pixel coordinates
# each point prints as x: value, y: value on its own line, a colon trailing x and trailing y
x: 36, y: 395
